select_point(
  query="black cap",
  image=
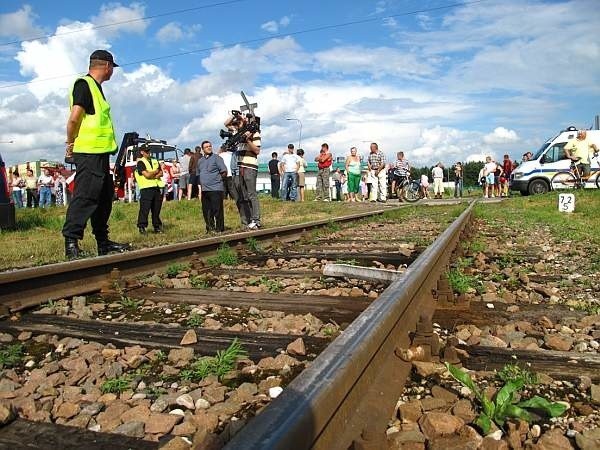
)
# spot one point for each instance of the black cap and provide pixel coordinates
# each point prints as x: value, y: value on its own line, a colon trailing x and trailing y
x: 103, y: 55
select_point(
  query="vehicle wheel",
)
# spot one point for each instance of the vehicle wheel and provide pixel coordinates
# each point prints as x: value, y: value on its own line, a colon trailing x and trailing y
x: 538, y: 187
x: 412, y: 192
x: 563, y: 180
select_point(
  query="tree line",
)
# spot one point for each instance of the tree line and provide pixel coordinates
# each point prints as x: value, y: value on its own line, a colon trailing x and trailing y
x: 470, y: 171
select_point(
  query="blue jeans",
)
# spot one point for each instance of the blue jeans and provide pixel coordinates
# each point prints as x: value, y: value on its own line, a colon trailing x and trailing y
x: 45, y: 197
x: 290, y: 179
x: 458, y: 187
x: 17, y: 198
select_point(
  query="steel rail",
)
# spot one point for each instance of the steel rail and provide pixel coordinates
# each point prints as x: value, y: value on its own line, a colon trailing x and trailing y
x: 24, y: 288
x: 345, y: 398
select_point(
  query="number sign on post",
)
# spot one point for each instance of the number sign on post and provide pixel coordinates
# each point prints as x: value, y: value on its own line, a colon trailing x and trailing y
x: 566, y: 202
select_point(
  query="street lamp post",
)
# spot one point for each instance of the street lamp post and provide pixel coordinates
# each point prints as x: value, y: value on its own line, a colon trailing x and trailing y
x: 300, y: 135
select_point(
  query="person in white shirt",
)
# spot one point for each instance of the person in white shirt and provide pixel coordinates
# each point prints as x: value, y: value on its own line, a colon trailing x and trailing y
x: 489, y: 170
x: 288, y: 169
x: 45, y: 183
x: 438, y: 180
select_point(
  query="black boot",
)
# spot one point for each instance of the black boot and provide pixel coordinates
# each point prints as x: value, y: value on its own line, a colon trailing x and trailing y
x: 72, y: 250
x: 107, y: 246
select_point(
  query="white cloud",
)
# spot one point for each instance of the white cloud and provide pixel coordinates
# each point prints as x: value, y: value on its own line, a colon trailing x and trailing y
x: 20, y: 24
x: 359, y: 59
x: 272, y: 26
x: 510, y: 46
x: 148, y: 80
x: 126, y: 19
x: 171, y: 32
x: 501, y: 135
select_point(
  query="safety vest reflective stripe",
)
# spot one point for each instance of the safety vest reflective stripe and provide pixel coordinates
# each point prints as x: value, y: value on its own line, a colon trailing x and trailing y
x: 144, y: 182
x: 96, y: 133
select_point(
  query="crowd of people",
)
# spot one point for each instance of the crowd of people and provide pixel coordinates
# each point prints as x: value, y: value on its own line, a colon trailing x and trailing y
x: 29, y: 191
x: 495, y: 177
x: 90, y: 140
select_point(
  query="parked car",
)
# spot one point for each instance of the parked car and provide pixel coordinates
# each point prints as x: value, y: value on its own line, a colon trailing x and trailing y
x: 7, y: 208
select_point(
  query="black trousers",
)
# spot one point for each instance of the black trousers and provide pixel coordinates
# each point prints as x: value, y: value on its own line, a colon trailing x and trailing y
x: 150, y: 200
x: 275, y: 184
x: 229, y: 189
x: 92, y: 197
x: 212, y: 210
x: 32, y: 198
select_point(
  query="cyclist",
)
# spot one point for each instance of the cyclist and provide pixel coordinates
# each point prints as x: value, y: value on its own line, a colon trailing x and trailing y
x: 401, y: 174
x: 580, y: 151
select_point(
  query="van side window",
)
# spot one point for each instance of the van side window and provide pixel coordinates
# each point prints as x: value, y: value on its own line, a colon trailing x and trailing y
x: 555, y: 153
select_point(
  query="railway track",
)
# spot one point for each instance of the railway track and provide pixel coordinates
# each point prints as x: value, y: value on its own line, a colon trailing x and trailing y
x: 55, y: 331
x: 337, y: 346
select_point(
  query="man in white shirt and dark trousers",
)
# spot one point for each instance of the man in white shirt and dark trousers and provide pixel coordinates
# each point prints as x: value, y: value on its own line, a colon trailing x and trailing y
x: 288, y: 169
x: 438, y: 180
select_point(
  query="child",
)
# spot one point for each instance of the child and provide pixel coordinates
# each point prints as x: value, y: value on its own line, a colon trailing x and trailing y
x: 425, y: 186
x: 148, y: 176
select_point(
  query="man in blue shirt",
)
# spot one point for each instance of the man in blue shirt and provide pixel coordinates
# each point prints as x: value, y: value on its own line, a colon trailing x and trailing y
x: 210, y: 172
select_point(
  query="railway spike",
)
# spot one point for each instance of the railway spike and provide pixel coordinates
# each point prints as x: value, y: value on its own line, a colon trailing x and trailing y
x: 115, y: 282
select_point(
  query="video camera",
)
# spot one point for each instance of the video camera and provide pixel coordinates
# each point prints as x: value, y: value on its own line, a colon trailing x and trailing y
x: 249, y: 123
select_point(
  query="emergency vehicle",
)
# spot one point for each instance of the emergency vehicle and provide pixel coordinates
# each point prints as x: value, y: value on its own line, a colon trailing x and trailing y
x: 126, y: 162
x: 533, y: 176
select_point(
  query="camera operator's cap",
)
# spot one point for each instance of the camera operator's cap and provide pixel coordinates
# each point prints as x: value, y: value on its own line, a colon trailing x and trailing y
x: 103, y: 55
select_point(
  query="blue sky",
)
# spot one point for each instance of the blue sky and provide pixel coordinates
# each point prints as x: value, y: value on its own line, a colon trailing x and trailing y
x: 443, y: 84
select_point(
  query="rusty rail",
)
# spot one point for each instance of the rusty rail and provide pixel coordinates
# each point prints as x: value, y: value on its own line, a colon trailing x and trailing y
x: 345, y: 398
x: 24, y: 288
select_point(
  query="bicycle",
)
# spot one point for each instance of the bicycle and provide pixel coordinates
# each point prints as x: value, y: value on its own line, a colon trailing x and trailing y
x: 409, y: 190
x: 573, y: 178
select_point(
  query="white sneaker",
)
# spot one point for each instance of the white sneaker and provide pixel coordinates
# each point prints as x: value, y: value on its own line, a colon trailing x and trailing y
x: 252, y: 225
x: 326, y: 200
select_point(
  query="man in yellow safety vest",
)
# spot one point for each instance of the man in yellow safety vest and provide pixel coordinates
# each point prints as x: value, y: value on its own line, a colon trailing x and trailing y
x: 148, y: 176
x: 90, y: 142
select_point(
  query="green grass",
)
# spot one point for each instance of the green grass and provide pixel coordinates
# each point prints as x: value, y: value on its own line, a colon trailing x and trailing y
x: 225, y: 256
x: 116, y: 385
x: 38, y: 239
x: 218, y: 365
x: 460, y: 282
x: 11, y: 355
x: 512, y: 372
x: 175, y: 269
x: 253, y: 245
x: 194, y: 321
x: 129, y: 303
x: 534, y: 211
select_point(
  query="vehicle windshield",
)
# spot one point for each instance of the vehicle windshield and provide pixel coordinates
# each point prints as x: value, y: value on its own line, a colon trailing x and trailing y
x: 541, y: 150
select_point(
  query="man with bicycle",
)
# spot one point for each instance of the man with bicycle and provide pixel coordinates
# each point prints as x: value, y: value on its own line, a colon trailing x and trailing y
x: 580, y: 151
x: 401, y: 174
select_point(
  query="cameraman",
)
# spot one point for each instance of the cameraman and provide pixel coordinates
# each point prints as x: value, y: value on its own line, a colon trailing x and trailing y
x: 244, y: 175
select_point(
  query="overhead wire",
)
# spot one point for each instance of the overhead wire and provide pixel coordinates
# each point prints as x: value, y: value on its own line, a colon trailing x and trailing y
x: 267, y: 38
x: 123, y: 22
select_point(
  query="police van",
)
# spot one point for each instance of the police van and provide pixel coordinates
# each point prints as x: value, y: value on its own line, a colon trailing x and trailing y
x: 533, y: 177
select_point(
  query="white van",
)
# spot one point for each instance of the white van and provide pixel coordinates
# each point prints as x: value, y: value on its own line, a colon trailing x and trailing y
x: 533, y: 177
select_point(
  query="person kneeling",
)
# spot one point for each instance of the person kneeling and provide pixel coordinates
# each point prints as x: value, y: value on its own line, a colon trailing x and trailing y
x: 148, y: 176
